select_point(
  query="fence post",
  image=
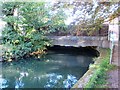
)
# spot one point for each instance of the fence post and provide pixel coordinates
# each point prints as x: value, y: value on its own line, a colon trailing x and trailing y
x: 112, y: 36
x: 111, y: 54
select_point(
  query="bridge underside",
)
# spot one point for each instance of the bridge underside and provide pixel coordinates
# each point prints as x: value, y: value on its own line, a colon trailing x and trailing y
x: 80, y: 41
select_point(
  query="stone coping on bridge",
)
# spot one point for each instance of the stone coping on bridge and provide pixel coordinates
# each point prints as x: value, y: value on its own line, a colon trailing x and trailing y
x: 78, y: 37
x: 80, y: 41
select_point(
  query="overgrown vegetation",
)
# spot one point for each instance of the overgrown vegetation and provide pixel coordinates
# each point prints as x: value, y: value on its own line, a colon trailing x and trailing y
x: 28, y: 23
x: 27, y: 26
x: 98, y: 80
x: 88, y: 17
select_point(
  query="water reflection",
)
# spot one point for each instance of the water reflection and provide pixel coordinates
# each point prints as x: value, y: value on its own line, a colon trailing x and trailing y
x: 56, y: 70
x: 70, y: 81
x: 58, y: 80
x: 53, y: 80
x: 3, y: 82
x: 18, y: 83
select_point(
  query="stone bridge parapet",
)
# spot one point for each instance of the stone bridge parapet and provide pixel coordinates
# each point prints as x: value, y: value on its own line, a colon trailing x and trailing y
x: 80, y: 41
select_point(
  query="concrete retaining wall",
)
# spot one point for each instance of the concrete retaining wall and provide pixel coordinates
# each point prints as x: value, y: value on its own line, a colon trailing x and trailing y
x: 86, y: 77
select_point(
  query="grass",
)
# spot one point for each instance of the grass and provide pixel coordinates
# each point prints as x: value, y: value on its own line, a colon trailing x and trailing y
x: 98, y: 80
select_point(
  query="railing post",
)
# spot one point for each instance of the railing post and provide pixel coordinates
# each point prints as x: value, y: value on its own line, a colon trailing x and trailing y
x: 111, y: 55
x: 112, y: 37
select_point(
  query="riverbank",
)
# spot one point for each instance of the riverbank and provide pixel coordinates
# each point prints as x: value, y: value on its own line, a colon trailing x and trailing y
x: 111, y: 78
x: 96, y: 75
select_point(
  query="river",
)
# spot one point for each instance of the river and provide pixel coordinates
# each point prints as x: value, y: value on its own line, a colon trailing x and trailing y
x: 59, y: 68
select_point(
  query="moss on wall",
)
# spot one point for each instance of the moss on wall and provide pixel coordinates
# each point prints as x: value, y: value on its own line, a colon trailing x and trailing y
x: 95, y: 77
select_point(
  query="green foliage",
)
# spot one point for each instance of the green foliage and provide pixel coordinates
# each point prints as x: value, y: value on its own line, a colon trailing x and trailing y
x: 98, y: 80
x: 26, y: 30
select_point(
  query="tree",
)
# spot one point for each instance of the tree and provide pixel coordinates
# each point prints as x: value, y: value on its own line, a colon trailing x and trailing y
x: 29, y: 22
x: 89, y: 16
x: 27, y: 25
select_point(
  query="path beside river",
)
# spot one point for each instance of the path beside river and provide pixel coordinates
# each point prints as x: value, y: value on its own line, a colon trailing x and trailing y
x: 114, y: 75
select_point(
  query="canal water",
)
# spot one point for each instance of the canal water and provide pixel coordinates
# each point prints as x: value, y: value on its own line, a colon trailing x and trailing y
x: 59, y: 68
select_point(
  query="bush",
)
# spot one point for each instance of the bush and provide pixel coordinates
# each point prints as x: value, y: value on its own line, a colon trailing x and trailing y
x: 25, y: 32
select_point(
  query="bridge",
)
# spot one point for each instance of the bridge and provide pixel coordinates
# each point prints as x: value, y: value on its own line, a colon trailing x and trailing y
x: 80, y: 41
